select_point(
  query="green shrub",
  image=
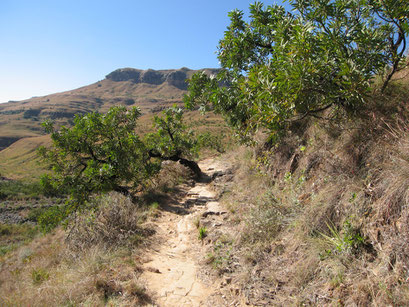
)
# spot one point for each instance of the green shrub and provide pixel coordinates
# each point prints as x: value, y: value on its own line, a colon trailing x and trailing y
x: 347, y: 241
x: 202, y: 233
x: 35, y: 214
x: 53, y: 216
x: 40, y: 275
x: 15, y: 189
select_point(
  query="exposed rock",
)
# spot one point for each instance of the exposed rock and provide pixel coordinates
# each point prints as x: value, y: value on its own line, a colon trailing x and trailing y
x: 61, y: 114
x: 125, y: 74
x: 123, y: 101
x: 151, y: 76
x: 175, y: 77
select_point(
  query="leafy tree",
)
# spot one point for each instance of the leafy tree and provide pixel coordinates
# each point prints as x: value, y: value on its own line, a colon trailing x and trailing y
x: 282, y: 66
x: 103, y: 153
x: 100, y: 153
x: 173, y: 141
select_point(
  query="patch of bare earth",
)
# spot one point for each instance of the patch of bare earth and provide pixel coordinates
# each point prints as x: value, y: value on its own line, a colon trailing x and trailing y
x: 173, y: 273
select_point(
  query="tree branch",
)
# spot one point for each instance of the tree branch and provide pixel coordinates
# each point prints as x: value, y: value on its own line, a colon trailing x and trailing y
x: 311, y: 113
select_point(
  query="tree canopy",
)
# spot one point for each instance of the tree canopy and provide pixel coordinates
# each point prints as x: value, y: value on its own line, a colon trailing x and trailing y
x: 100, y: 153
x: 172, y: 140
x: 103, y: 152
x: 283, y: 66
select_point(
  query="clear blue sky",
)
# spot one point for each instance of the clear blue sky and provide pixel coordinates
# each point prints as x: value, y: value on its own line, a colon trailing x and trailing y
x: 56, y: 45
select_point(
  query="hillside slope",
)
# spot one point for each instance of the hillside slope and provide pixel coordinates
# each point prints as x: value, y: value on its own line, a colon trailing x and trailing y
x: 321, y: 219
x: 150, y: 90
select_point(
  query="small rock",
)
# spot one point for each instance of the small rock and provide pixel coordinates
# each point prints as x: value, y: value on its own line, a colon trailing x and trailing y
x: 235, y: 291
x: 205, y: 214
x: 153, y: 270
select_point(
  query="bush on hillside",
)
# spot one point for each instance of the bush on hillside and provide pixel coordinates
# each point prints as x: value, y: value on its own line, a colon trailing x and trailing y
x: 281, y: 66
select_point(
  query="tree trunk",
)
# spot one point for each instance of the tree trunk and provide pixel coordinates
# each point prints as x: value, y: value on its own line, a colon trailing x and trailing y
x: 125, y: 191
x: 192, y: 165
x: 188, y: 163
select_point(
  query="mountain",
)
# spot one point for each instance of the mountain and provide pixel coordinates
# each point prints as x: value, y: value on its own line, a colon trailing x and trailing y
x: 151, y: 90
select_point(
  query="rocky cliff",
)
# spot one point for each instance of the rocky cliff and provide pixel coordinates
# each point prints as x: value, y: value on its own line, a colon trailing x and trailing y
x: 173, y: 77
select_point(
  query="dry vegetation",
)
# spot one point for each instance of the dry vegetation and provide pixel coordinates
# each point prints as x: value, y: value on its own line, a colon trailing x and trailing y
x: 87, y: 267
x: 322, y: 218
x: 96, y: 260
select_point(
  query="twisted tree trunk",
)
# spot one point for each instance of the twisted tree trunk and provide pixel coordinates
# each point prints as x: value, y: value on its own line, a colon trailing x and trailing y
x: 192, y: 165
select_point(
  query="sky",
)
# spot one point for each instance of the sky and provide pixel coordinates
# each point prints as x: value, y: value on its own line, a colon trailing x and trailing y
x: 57, y: 45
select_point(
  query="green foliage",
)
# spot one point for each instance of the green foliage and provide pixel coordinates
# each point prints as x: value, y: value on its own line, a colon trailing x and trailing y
x: 348, y: 241
x: 49, y: 187
x: 211, y: 141
x: 103, y: 153
x: 280, y: 67
x: 100, y: 153
x: 202, y: 233
x: 52, y: 217
x: 35, y: 213
x: 39, y: 276
x: 172, y: 139
x: 154, y: 205
x: 15, y: 189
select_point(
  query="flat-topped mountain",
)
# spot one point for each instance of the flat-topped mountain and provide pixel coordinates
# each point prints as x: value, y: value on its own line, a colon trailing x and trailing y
x: 151, y: 90
x: 177, y: 78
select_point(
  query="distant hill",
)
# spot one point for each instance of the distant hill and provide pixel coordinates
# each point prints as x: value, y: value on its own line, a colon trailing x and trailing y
x: 151, y: 90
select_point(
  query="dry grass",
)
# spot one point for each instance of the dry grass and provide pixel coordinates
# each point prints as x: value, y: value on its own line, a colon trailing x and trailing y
x: 95, y: 278
x: 20, y: 160
x: 98, y: 266
x: 96, y: 261
x: 322, y: 219
x: 115, y: 222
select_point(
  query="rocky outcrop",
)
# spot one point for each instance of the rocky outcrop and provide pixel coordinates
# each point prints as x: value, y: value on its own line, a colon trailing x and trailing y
x: 125, y: 74
x: 174, y: 77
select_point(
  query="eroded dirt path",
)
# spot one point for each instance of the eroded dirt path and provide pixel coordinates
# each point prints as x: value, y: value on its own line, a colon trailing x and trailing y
x: 172, y: 272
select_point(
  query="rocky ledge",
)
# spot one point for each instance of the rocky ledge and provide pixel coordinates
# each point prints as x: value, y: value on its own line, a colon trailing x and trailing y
x: 175, y: 77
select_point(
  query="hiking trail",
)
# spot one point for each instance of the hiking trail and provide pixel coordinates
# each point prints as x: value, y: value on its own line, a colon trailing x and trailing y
x: 172, y: 272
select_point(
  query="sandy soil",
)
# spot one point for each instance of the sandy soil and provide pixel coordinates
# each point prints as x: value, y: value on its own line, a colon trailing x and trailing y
x: 172, y: 274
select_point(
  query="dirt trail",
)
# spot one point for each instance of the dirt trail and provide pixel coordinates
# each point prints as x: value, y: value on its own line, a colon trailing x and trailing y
x: 172, y: 272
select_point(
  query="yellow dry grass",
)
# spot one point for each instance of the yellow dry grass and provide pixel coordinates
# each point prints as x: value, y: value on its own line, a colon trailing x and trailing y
x: 338, y: 196
x: 20, y: 160
x: 48, y: 272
